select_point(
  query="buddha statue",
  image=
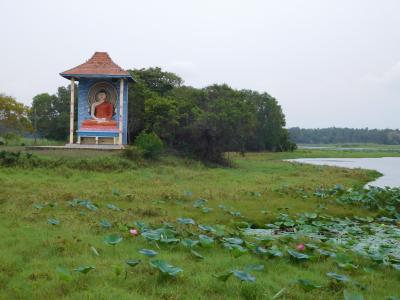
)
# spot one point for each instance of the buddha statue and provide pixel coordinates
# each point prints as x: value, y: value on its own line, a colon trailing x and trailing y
x: 101, y: 113
x: 102, y: 110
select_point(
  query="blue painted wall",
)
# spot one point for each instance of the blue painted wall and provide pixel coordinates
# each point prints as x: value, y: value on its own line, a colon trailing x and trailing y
x: 83, y: 106
x: 125, y: 123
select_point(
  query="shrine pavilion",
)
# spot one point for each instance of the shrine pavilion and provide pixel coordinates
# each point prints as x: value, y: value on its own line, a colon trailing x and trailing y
x: 102, y: 102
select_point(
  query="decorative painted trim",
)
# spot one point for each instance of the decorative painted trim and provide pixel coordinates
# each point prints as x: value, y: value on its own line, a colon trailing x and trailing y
x: 97, y: 134
x: 76, y: 76
x: 98, y: 129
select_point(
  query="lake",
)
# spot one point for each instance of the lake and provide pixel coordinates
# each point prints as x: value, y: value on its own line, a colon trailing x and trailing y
x: 388, y: 166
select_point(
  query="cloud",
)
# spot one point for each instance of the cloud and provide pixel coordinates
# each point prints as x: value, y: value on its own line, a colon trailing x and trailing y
x: 388, y: 78
x: 184, y: 68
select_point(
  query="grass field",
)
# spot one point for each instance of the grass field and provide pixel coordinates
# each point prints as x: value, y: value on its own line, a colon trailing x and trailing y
x: 33, y: 251
x: 31, y: 142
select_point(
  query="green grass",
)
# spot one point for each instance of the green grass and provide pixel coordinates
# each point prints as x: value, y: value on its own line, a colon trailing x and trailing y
x: 31, y: 249
x: 32, y: 142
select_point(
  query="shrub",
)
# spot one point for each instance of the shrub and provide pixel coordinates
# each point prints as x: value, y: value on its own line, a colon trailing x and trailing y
x: 131, y: 153
x: 29, y: 160
x: 149, y: 145
x: 9, y: 158
x: 11, y: 137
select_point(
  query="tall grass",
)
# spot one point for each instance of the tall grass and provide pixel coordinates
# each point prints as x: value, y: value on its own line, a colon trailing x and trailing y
x: 30, y: 141
x: 156, y: 192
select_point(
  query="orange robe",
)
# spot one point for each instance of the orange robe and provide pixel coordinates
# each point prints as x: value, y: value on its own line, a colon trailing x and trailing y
x: 104, y: 111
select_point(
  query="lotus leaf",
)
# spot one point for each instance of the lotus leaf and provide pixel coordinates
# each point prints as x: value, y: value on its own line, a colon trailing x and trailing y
x: 113, y: 239
x: 308, y: 285
x: 206, y: 241
x: 53, y: 221
x: 165, y: 268
x: 189, y: 243
x: 133, y: 262
x: 338, y: 277
x: 105, y: 224
x: 186, y: 221
x: 84, y: 269
x: 297, y: 255
x: 244, y: 276
x: 148, y: 252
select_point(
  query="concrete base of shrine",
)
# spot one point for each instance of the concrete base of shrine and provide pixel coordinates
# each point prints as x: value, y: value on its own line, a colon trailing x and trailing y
x: 77, y: 146
x: 95, y: 146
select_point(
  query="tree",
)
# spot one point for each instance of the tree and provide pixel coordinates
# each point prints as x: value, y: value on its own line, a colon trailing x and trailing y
x: 211, y: 121
x: 270, y: 133
x: 161, y: 116
x: 231, y: 116
x: 157, y: 80
x: 335, y: 135
x: 13, y: 116
x: 50, y: 114
x: 42, y: 114
x: 138, y: 92
x: 205, y: 122
x: 149, y: 83
x: 61, y: 107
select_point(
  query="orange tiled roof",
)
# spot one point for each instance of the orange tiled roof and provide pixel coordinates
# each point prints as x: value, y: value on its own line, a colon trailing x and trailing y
x: 99, y: 64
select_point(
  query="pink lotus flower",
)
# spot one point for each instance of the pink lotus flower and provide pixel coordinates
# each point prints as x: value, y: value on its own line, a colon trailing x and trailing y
x: 301, y: 247
x: 134, y: 232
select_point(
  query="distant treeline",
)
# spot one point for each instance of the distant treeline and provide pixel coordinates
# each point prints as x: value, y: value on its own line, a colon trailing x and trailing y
x: 335, y: 135
x: 203, y: 122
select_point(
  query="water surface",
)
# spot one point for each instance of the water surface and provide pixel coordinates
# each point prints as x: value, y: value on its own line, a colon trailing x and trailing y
x: 388, y: 166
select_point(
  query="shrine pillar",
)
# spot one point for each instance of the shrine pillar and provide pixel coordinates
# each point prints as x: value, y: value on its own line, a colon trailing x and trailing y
x: 121, y: 110
x: 71, y: 114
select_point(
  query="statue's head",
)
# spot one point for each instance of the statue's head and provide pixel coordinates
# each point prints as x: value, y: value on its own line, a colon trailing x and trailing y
x: 101, y: 96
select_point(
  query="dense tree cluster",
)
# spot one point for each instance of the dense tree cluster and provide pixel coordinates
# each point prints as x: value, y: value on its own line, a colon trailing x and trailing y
x: 202, y: 122
x: 205, y: 122
x: 335, y: 135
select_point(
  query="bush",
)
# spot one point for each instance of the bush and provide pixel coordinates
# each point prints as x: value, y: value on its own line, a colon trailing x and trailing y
x: 131, y: 153
x: 11, y: 137
x: 149, y: 145
x: 29, y: 160
x: 9, y: 158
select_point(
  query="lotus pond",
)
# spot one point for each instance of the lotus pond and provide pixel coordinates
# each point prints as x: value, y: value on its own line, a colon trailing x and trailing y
x: 265, y: 229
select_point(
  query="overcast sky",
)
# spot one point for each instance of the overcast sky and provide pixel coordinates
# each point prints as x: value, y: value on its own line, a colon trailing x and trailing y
x: 329, y: 63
